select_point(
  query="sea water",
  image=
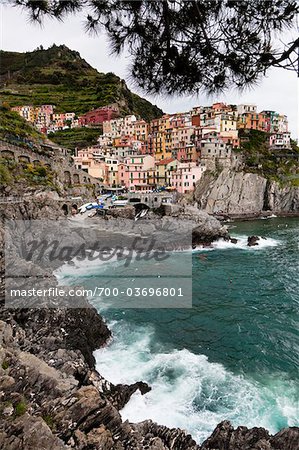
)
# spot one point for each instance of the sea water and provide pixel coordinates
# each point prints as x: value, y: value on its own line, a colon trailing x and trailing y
x: 234, y: 355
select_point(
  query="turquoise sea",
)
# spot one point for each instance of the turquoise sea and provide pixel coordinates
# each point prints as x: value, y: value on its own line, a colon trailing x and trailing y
x: 234, y: 355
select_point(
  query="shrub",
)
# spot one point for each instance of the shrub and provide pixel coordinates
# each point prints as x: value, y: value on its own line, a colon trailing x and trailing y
x: 49, y: 421
x: 20, y: 409
x: 5, y: 176
x: 5, y: 365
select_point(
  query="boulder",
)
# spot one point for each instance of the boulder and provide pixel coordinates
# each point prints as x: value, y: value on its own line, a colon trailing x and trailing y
x: 252, y: 241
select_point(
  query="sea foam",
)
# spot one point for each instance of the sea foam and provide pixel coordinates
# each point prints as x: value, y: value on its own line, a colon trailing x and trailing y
x: 241, y: 244
x: 188, y: 391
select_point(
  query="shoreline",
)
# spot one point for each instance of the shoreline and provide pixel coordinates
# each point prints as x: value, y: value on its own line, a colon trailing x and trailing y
x: 254, y: 216
x: 81, y: 409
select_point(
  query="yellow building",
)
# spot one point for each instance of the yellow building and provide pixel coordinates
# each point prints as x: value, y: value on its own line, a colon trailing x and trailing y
x: 159, y: 145
x: 164, y: 169
x: 141, y: 129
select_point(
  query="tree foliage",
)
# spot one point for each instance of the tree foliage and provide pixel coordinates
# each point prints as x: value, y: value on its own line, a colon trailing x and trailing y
x: 185, y: 46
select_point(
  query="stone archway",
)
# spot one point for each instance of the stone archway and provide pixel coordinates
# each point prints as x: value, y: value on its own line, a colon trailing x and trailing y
x: 7, y: 154
x: 74, y: 209
x: 76, y: 178
x: 67, y: 177
x: 65, y: 209
x: 24, y: 159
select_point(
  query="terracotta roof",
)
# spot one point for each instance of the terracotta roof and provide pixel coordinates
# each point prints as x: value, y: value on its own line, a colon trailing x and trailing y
x: 164, y: 161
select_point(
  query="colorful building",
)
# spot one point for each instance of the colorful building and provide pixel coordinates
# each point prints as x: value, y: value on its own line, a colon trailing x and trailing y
x: 185, y: 177
x: 164, y: 168
x: 98, y: 116
x: 280, y: 140
x: 138, y: 173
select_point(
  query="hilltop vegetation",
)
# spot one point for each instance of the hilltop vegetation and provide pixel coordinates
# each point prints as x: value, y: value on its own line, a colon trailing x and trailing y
x: 276, y: 165
x: 76, y: 137
x: 61, y: 77
x: 25, y: 175
x: 12, y: 126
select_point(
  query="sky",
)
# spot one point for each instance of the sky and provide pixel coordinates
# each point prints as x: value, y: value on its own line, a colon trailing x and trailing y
x: 278, y: 91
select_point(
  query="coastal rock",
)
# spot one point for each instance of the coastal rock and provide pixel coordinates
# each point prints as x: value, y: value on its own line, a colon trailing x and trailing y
x: 238, y: 193
x: 172, y: 438
x: 121, y: 393
x: 281, y: 199
x: 252, y: 241
x: 286, y: 439
x: 51, y: 395
x: 205, y: 228
x: 208, y: 229
x: 127, y: 212
x: 225, y: 437
x: 30, y: 433
x: 231, y: 193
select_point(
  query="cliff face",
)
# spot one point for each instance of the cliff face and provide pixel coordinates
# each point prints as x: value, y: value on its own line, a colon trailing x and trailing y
x: 241, y: 193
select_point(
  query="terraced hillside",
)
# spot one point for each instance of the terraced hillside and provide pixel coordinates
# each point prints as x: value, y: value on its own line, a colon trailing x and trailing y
x: 61, y: 77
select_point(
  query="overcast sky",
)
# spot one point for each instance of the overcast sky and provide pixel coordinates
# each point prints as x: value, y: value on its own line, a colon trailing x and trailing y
x: 279, y: 91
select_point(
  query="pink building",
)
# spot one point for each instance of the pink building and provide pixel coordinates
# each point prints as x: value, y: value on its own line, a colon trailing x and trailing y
x: 136, y: 173
x: 185, y: 176
x: 47, y: 109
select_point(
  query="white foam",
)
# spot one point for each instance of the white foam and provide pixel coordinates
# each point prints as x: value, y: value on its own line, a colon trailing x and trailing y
x: 241, y: 244
x: 273, y: 216
x: 83, y: 267
x: 188, y: 391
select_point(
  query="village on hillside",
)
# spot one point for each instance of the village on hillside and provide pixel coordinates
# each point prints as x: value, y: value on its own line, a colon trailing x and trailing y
x: 169, y: 153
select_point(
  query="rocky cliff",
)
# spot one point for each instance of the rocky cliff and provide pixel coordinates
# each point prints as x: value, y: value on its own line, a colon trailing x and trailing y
x: 238, y: 193
x: 52, y: 398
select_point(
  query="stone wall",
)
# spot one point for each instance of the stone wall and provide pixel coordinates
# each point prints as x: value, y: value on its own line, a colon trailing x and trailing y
x: 67, y: 174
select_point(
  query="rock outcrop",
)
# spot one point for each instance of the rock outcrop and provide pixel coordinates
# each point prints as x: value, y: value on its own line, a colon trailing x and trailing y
x: 244, y: 194
x: 225, y: 437
x: 51, y: 396
x: 205, y: 228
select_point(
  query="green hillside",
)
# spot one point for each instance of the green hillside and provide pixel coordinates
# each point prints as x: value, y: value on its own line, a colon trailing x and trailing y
x: 76, y: 137
x: 14, y: 128
x: 61, y: 77
x: 277, y: 165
